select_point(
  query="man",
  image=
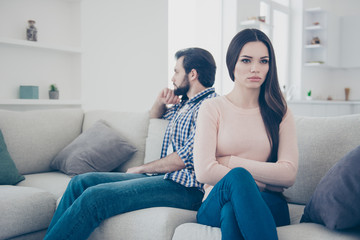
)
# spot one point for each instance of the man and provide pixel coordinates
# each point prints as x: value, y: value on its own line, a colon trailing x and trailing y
x: 167, y: 182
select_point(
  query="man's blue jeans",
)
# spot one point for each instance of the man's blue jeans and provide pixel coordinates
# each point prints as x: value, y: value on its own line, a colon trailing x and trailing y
x: 236, y: 205
x: 93, y: 197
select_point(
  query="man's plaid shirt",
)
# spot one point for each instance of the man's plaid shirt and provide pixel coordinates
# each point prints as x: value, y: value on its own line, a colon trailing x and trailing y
x: 180, y: 132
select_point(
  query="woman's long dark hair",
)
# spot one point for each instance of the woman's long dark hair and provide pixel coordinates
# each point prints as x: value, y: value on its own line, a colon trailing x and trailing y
x: 271, y: 101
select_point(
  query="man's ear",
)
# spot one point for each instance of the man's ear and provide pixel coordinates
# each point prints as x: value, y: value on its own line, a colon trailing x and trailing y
x: 193, y: 74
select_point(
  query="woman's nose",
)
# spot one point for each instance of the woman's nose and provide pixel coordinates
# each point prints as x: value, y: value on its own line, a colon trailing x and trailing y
x: 254, y: 67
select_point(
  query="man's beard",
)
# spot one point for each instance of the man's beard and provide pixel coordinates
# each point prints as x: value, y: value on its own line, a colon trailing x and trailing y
x: 183, y: 88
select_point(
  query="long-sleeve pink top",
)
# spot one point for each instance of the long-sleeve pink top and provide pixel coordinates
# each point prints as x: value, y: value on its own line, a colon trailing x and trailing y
x: 228, y: 136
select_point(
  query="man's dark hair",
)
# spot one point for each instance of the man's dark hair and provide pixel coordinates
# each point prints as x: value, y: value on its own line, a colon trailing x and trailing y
x: 200, y: 60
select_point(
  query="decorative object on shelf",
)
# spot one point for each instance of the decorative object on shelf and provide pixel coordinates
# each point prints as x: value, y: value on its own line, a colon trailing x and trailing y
x: 329, y: 98
x: 314, y: 63
x: 315, y: 40
x: 31, y: 31
x: 261, y: 18
x: 308, y: 95
x: 347, y: 93
x: 53, y: 92
x: 258, y: 18
x: 29, y: 92
x: 316, y: 23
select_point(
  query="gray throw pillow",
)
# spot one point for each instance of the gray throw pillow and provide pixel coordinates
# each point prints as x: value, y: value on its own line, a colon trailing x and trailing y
x: 9, y: 174
x: 335, y: 202
x: 98, y: 149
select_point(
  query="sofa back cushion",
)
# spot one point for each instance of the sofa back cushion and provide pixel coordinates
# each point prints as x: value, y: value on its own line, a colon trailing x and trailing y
x: 154, y: 140
x: 33, y: 138
x: 322, y: 142
x: 132, y: 125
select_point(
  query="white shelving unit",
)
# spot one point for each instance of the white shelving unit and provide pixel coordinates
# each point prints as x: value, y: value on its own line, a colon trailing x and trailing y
x: 350, y: 48
x: 25, y: 43
x: 324, y: 26
x: 54, y: 59
x: 263, y: 26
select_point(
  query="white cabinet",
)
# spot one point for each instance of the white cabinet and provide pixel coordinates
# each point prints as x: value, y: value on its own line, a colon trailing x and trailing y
x: 321, y: 38
x: 54, y: 58
x: 324, y: 108
x: 350, y: 47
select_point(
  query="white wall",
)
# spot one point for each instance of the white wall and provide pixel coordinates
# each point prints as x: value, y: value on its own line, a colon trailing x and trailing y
x: 196, y: 23
x: 326, y: 82
x: 125, y: 53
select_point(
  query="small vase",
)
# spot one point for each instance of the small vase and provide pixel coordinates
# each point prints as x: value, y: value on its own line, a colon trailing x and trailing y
x: 54, y: 94
x: 31, y: 31
x: 308, y: 98
x: 347, y: 93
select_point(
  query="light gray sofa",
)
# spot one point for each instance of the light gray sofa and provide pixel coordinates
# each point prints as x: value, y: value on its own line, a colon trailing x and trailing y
x: 33, y: 138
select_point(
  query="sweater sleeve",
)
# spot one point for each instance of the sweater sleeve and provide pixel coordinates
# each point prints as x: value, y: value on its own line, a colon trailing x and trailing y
x: 207, y: 169
x: 283, y: 172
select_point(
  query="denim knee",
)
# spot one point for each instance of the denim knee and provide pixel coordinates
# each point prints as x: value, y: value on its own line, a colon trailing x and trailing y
x: 80, y: 180
x: 240, y: 174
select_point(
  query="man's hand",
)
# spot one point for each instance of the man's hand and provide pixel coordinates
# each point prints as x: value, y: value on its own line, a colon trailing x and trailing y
x: 167, y: 164
x: 138, y: 169
x: 167, y: 96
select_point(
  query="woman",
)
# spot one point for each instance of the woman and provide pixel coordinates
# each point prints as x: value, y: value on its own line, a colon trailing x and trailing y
x: 245, y: 146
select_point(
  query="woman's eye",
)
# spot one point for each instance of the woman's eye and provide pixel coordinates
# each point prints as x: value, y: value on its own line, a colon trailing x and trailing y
x: 245, y: 60
x: 264, y: 61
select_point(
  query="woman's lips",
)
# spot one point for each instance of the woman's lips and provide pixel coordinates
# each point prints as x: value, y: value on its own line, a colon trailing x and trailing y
x: 254, y: 79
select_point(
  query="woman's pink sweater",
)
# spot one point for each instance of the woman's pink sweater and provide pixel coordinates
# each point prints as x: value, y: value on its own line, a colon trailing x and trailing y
x: 228, y: 136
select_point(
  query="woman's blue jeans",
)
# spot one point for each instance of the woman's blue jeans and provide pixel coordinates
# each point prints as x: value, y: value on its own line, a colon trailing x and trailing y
x: 92, y: 197
x: 236, y: 205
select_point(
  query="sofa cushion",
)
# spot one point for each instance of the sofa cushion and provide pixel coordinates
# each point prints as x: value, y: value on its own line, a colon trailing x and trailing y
x: 98, y: 149
x: 322, y: 142
x: 9, y: 174
x: 154, y: 140
x: 132, y: 125
x: 295, y: 211
x: 150, y: 223
x: 52, y: 182
x: 335, y: 202
x: 24, y: 210
x: 34, y: 137
x: 31, y: 236
x: 312, y: 231
x: 304, y: 231
x: 195, y: 231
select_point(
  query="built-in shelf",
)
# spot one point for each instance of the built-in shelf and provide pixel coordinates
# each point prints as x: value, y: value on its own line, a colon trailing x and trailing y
x: 314, y: 46
x: 314, y: 64
x: 35, y: 104
x: 253, y: 22
x: 25, y: 43
x: 313, y: 28
x: 39, y: 102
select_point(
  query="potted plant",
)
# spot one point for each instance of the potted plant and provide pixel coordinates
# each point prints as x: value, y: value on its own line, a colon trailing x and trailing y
x: 308, y: 95
x: 53, y: 92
